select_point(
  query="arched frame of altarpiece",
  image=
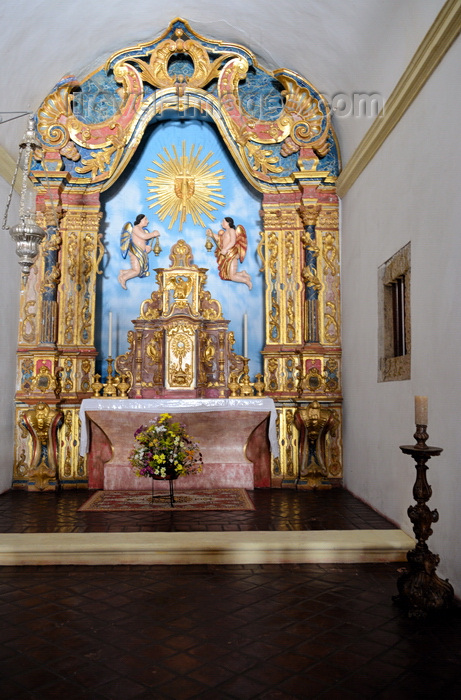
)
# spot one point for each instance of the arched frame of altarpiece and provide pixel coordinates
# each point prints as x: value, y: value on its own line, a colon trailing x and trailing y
x: 277, y: 128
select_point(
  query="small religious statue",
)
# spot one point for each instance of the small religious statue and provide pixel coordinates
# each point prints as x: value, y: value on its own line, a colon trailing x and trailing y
x: 181, y: 286
x: 134, y: 242
x: 231, y: 246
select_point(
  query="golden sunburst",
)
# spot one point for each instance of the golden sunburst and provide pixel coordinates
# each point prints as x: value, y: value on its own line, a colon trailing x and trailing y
x: 185, y: 185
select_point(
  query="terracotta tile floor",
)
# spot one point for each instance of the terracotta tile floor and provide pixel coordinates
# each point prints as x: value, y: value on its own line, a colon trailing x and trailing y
x: 277, y: 509
x: 273, y: 632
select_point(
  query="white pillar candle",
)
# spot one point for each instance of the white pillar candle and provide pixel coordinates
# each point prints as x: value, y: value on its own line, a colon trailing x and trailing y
x: 421, y: 411
x: 110, y: 333
x: 245, y: 335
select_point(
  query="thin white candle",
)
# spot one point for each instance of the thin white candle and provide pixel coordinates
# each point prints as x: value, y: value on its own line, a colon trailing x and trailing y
x: 110, y: 333
x: 421, y: 410
x: 245, y: 335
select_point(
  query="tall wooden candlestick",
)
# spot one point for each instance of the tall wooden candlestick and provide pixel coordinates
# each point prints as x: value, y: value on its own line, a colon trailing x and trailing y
x: 420, y: 589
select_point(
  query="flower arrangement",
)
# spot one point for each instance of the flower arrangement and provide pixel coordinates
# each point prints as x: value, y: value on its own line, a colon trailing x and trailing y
x: 164, y: 450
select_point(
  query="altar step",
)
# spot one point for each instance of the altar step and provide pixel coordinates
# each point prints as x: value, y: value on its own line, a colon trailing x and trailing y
x: 250, y: 547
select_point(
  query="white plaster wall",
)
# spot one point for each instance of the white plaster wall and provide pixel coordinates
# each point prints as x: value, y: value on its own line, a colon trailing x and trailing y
x: 9, y: 310
x: 409, y: 192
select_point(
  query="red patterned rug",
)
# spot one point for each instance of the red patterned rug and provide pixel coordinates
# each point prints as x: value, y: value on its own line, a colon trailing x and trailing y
x: 199, y: 499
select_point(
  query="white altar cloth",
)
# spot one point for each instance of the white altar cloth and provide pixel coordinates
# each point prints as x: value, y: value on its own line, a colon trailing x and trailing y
x: 156, y: 406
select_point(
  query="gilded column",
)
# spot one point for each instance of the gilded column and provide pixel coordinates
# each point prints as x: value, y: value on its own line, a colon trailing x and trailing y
x: 38, y: 364
x: 302, y: 356
x: 82, y: 251
x: 56, y: 353
x: 312, y: 283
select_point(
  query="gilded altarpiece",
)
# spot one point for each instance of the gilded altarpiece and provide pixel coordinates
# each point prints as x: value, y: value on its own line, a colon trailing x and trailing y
x: 277, y: 129
x: 180, y: 346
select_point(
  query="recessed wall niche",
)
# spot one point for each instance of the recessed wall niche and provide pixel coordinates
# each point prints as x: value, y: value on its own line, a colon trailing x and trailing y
x: 394, y: 328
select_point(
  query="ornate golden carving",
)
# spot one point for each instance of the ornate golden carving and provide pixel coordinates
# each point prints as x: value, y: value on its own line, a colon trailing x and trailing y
x: 289, y: 254
x: 273, y: 252
x: 209, y: 351
x: 263, y: 159
x: 151, y: 308
x: 53, y: 242
x: 309, y: 382
x: 290, y: 326
x: 182, y: 286
x: 70, y: 465
x: 314, y: 422
x: 290, y: 461
x: 309, y: 214
x: 101, y: 252
x: 331, y: 325
x: 303, y: 121
x: 61, y: 130
x: 21, y: 466
x: 72, y: 248
x: 28, y: 322
x: 52, y: 115
x: 67, y: 471
x: 211, y: 308
x: 333, y: 446
x: 50, y: 279
x: 153, y: 351
x: 310, y: 279
x: 180, y: 346
x: 332, y: 375
x: 259, y: 251
x: 302, y: 112
x: 276, y: 461
x: 68, y: 384
x: 44, y: 381
x: 330, y: 253
x: 97, y: 163
x: 156, y: 71
x: 289, y: 374
x: 86, y: 368
x: 272, y: 366
x: 328, y: 218
x: 42, y: 421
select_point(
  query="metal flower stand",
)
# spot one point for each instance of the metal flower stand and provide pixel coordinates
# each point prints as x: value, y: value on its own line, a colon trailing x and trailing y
x: 171, y: 481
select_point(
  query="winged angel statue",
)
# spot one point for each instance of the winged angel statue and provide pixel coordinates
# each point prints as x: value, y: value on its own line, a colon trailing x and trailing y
x: 134, y: 243
x: 231, y: 246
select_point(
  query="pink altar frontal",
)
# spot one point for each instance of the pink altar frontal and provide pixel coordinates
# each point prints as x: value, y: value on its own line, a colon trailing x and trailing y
x: 236, y: 438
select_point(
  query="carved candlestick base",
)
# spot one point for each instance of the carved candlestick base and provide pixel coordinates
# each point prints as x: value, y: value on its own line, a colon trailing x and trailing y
x: 123, y: 386
x: 233, y: 385
x: 259, y: 385
x: 97, y: 386
x: 246, y: 387
x: 110, y: 388
x: 420, y: 589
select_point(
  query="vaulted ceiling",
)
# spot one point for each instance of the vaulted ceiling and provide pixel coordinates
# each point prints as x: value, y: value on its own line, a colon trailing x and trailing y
x: 341, y: 46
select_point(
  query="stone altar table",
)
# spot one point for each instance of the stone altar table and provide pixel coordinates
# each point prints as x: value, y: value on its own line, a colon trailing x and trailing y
x: 236, y: 437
